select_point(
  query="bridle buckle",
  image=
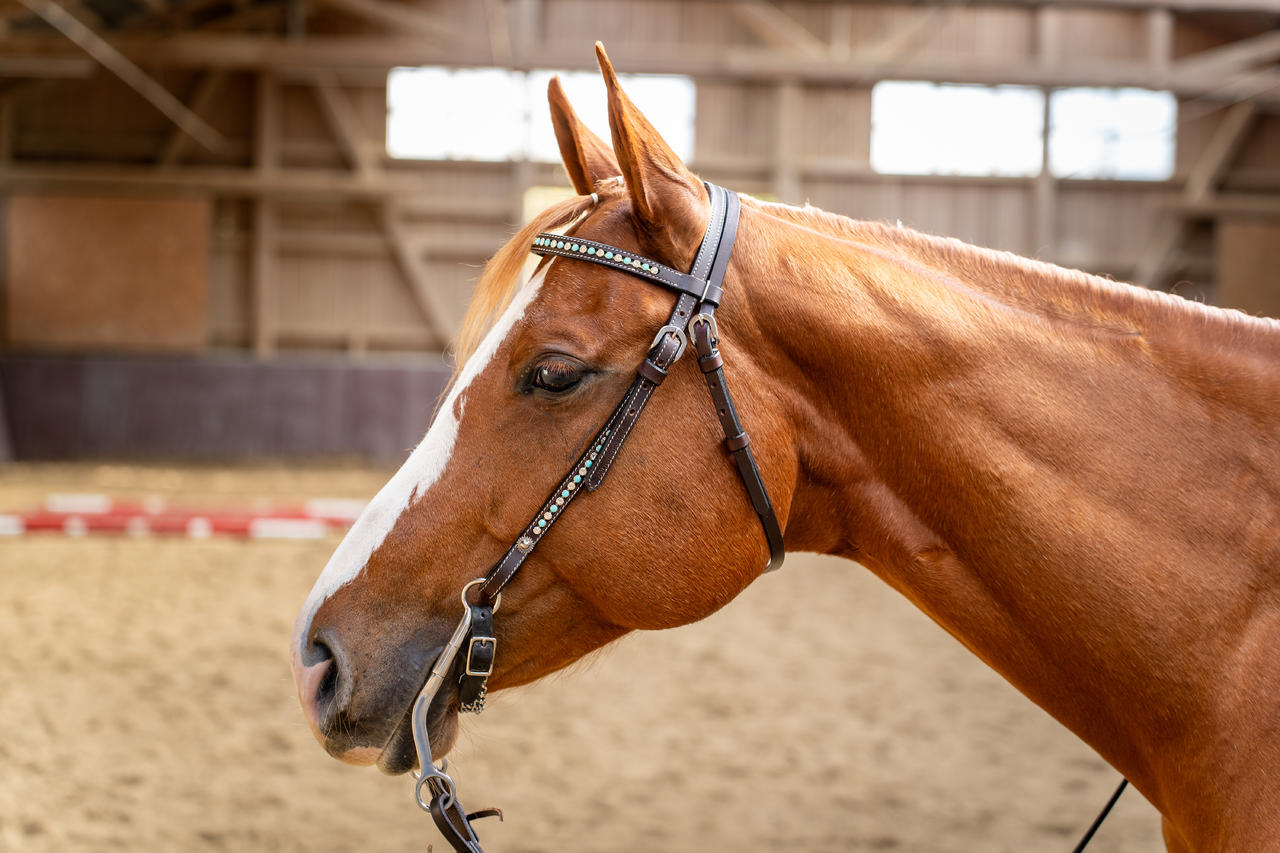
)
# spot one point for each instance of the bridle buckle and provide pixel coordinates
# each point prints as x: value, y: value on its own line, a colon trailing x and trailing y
x: 681, y: 339
x: 492, y: 645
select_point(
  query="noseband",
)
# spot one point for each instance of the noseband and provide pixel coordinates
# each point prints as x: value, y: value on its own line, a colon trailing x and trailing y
x: 693, y: 318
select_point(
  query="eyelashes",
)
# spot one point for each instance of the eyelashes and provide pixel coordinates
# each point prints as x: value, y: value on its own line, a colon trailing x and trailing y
x: 557, y: 374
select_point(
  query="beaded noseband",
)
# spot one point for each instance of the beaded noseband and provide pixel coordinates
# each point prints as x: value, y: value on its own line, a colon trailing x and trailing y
x: 699, y: 293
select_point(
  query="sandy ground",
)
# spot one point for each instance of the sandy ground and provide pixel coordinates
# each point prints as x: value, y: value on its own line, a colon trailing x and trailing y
x: 146, y: 705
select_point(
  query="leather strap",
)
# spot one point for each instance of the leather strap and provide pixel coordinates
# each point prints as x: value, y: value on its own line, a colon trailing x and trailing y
x: 455, y: 824
x: 477, y: 659
x: 738, y: 443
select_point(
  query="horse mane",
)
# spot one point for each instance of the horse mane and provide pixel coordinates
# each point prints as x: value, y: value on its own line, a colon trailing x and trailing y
x: 1029, y: 283
x: 501, y: 279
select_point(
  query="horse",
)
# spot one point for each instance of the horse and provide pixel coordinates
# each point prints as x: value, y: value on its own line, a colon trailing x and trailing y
x: 1078, y: 479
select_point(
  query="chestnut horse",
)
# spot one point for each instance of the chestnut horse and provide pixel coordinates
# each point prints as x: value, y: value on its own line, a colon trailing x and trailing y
x: 1078, y: 479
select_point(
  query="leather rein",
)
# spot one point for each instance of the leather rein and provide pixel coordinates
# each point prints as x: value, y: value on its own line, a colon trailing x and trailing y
x: 699, y: 293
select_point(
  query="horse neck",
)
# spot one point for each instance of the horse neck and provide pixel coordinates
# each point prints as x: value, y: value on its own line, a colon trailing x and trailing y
x: 1039, y: 461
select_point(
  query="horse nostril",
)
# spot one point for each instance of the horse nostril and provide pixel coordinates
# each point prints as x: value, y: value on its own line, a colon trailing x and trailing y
x: 328, y: 685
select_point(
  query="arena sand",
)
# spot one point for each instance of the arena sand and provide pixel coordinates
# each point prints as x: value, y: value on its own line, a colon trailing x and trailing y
x: 146, y: 705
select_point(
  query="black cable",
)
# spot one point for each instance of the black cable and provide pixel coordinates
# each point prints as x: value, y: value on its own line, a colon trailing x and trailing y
x: 1097, y: 822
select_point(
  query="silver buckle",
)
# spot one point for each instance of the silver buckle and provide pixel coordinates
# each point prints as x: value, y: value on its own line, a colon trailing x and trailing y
x: 680, y: 339
x: 710, y: 320
x: 492, y: 643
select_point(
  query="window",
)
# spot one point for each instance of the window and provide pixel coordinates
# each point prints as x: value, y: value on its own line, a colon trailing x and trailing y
x: 1112, y: 133
x: 495, y: 114
x: 953, y: 129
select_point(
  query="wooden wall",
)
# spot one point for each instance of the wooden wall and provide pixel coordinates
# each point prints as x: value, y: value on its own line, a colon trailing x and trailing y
x: 316, y: 240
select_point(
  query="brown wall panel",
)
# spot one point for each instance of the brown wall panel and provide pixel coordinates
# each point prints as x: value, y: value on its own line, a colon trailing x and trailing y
x: 1249, y: 265
x: 107, y: 273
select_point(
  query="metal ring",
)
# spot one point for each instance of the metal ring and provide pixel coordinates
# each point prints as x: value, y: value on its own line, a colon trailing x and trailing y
x: 448, y: 790
x: 497, y: 602
x: 680, y: 339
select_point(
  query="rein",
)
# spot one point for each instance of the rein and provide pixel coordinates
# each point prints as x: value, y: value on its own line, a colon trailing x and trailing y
x: 699, y: 293
x: 693, y: 318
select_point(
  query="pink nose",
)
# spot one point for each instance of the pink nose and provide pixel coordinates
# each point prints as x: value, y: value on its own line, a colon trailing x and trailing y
x: 310, y: 680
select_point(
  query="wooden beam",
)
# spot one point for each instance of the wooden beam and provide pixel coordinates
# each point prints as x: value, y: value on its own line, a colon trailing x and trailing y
x: 201, y: 98
x: 1230, y: 204
x: 495, y: 14
x: 302, y: 184
x: 789, y: 125
x: 344, y: 126
x: 1045, y: 194
x: 905, y: 38
x: 399, y: 17
x: 1203, y: 177
x: 1160, y: 39
x: 1265, y: 6
x: 840, y: 31
x: 777, y: 29
x: 52, y: 67
x: 330, y: 53
x: 263, y: 279
x: 158, y: 96
x: 410, y: 263
x: 1233, y: 57
x: 1223, y: 146
x: 266, y: 158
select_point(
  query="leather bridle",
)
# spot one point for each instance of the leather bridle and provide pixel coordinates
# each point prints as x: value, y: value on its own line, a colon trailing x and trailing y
x: 699, y: 293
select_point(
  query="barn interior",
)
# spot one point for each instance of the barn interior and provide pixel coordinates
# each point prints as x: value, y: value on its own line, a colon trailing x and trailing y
x: 224, y: 281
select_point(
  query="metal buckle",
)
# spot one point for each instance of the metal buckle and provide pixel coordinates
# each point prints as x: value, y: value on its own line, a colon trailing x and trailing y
x: 680, y: 339
x: 492, y: 643
x: 710, y: 320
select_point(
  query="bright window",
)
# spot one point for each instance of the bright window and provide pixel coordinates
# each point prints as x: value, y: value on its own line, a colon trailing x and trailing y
x: 494, y: 114
x: 1112, y: 133
x: 954, y: 129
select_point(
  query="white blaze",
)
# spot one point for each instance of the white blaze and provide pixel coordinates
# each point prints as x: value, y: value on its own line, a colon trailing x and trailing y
x: 418, y: 474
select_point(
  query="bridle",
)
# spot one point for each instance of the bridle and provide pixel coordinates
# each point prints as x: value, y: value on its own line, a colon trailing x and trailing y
x: 699, y: 293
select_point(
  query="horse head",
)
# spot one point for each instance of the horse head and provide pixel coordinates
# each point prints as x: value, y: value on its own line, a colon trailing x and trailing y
x: 543, y: 360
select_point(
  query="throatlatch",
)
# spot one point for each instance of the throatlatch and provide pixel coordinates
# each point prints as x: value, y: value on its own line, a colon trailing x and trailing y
x: 693, y: 317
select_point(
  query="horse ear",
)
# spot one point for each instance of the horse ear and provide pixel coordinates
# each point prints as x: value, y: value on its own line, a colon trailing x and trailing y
x: 587, y: 157
x: 668, y: 199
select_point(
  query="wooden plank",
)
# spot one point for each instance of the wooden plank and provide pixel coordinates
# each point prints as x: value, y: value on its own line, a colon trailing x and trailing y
x: 776, y: 28
x: 1229, y: 204
x: 249, y: 183
x: 495, y: 13
x: 400, y: 17
x: 53, y: 67
x: 1202, y: 178
x: 344, y: 126
x: 1160, y: 39
x: 411, y: 267
x: 266, y: 158
x: 1248, y: 257
x: 786, y: 172
x: 1045, y: 194
x: 176, y: 145
x: 1223, y: 146
x: 738, y: 64
x: 1232, y: 57
x: 158, y: 96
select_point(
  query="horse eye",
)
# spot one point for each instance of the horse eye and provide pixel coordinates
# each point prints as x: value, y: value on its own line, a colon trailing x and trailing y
x: 557, y: 375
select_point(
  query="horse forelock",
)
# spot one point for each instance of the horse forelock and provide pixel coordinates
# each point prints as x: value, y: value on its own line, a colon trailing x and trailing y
x: 500, y: 281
